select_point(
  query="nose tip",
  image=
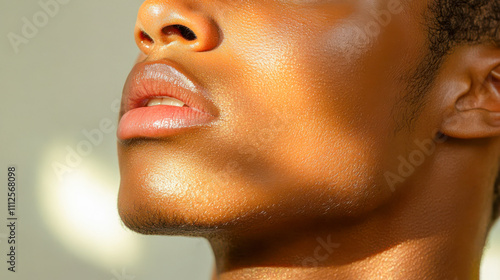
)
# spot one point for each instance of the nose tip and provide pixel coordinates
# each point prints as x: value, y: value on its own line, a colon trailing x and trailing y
x: 165, y: 23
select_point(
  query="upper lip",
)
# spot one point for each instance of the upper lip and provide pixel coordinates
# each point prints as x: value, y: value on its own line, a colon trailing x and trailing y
x: 149, y: 80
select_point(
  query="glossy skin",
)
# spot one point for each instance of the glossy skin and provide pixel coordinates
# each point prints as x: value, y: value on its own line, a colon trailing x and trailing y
x: 309, y: 126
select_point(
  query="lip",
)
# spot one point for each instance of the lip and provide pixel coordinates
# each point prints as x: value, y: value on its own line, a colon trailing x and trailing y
x: 149, y: 80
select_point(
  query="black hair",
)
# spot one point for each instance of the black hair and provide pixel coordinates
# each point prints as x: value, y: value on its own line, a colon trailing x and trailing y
x: 459, y: 22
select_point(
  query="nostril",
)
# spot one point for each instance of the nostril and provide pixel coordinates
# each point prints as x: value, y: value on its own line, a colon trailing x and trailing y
x: 181, y: 30
x: 145, y: 38
x: 187, y: 33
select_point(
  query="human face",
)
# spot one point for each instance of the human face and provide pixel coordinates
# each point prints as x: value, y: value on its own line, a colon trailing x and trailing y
x: 303, y: 96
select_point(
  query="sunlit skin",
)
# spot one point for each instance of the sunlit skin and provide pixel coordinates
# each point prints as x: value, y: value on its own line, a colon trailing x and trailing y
x: 310, y: 121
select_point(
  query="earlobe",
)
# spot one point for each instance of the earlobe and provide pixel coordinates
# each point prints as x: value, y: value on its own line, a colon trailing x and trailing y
x: 476, y: 113
x: 470, y: 124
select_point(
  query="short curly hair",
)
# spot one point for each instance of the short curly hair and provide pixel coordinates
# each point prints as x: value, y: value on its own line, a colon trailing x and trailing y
x: 459, y: 22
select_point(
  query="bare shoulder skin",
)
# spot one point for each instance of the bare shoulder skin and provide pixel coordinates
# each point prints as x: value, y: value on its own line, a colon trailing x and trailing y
x: 311, y: 139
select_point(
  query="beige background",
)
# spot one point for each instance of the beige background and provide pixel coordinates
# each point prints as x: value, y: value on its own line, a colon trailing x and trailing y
x: 59, y: 88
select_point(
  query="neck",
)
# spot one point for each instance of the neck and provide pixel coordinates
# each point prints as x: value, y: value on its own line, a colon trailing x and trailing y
x: 411, y: 237
x: 417, y: 259
x: 364, y: 254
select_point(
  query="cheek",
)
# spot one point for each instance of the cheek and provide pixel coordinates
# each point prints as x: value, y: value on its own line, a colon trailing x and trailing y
x: 319, y: 119
x: 334, y: 123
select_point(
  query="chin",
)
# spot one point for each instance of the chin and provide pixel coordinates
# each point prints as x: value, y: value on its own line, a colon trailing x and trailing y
x: 186, y: 193
x: 149, y: 209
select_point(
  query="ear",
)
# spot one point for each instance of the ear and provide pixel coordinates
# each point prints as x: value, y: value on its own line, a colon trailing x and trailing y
x: 475, y: 110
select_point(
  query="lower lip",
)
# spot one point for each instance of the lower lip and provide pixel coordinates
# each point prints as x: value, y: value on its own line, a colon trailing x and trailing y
x: 159, y: 121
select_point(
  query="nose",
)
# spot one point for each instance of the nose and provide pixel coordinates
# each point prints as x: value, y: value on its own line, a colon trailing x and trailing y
x: 165, y: 23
